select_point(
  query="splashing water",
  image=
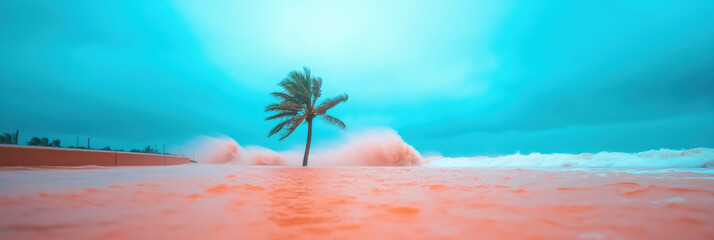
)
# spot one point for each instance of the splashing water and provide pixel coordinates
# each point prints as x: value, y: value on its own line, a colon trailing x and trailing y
x: 384, y: 147
x: 372, y: 148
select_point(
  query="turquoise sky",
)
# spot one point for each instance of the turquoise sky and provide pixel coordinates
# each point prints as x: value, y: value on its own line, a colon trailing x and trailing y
x: 452, y: 77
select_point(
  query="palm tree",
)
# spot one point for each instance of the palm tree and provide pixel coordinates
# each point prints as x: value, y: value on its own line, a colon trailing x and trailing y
x: 297, y: 105
x: 7, y: 139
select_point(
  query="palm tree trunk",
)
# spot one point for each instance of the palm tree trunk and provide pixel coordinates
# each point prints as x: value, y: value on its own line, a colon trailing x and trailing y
x: 307, y: 146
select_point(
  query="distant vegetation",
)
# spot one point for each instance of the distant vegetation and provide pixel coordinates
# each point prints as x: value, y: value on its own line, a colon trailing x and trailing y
x: 35, y: 141
x: 147, y: 149
x: 8, y: 138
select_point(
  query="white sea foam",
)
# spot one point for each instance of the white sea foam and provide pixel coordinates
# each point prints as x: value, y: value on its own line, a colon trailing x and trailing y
x: 663, y: 158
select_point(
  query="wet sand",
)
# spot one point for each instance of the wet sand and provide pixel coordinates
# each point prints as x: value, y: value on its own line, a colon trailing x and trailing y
x: 254, y: 202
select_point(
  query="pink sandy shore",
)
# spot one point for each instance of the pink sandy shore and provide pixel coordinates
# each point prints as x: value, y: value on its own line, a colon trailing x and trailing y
x: 244, y: 202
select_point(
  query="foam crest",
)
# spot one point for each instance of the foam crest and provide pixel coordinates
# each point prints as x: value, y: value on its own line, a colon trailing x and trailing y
x: 663, y: 158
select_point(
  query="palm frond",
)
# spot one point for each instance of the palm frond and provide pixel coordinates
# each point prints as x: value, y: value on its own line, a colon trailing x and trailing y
x: 284, y: 106
x: 301, y: 85
x: 316, y: 89
x: 293, y: 88
x: 334, y: 121
x: 283, y: 114
x: 279, y: 127
x: 294, y: 124
x: 330, y: 103
x: 285, y: 97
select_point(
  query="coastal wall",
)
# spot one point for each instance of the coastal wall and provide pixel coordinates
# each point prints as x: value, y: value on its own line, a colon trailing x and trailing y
x: 13, y: 155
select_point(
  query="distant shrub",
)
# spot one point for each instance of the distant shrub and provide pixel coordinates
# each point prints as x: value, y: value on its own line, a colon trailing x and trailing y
x: 35, y: 141
x: 45, y: 142
x: 7, y: 139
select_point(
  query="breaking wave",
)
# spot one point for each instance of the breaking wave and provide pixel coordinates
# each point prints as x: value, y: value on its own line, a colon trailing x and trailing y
x: 384, y: 147
x: 379, y: 147
x: 663, y: 158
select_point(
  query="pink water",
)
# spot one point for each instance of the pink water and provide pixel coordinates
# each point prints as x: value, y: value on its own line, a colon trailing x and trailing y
x: 263, y: 202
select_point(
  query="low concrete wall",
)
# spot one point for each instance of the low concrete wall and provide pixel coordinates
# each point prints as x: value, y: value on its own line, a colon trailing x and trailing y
x: 13, y: 155
x: 138, y: 159
x: 173, y: 160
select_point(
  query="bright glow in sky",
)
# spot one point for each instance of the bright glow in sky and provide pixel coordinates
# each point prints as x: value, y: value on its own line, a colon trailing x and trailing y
x: 457, y: 78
